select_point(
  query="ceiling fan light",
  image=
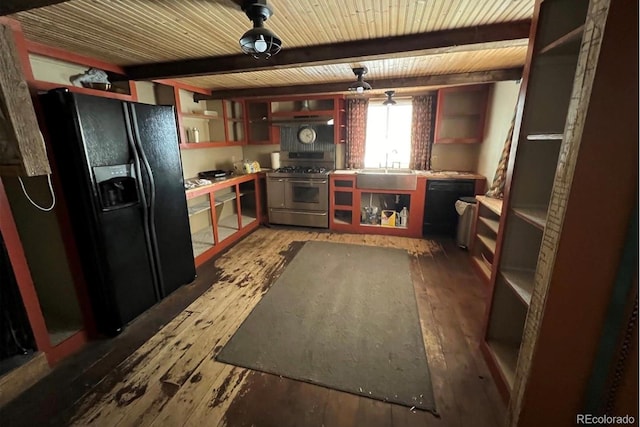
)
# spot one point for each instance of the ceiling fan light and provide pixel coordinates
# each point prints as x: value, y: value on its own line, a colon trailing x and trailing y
x: 360, y: 85
x: 259, y: 42
x: 389, y: 100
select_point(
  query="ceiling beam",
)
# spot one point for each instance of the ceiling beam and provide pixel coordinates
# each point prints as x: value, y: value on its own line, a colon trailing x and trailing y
x: 355, y: 50
x: 7, y: 7
x: 394, y: 83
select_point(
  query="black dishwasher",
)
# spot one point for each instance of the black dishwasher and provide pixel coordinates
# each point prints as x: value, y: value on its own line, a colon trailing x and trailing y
x: 440, y: 216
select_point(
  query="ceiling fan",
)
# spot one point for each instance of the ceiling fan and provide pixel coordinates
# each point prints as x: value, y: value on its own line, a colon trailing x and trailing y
x: 360, y: 85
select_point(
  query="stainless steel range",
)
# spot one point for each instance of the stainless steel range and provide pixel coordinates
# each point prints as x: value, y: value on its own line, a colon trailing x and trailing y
x: 298, y: 192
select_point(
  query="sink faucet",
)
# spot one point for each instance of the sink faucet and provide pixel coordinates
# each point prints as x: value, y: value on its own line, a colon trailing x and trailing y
x: 386, y: 160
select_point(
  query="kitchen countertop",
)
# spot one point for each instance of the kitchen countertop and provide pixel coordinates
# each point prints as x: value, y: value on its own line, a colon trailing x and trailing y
x: 221, y: 182
x: 426, y: 174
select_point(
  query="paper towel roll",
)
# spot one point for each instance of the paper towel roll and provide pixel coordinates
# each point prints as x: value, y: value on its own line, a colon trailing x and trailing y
x: 275, y: 160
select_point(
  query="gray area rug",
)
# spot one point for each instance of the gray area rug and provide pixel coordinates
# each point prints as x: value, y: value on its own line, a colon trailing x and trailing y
x: 341, y: 316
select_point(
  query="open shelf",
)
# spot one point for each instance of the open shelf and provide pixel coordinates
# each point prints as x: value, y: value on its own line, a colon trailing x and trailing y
x: 200, y: 207
x: 483, y: 266
x: 545, y: 137
x: 506, y: 357
x: 202, y: 240
x: 521, y: 281
x: 488, y: 242
x: 223, y: 198
x: 225, y: 232
x: 494, y: 205
x: 247, y: 218
x: 565, y: 44
x: 200, y: 116
x: 230, y: 221
x: 536, y: 216
x: 493, y: 224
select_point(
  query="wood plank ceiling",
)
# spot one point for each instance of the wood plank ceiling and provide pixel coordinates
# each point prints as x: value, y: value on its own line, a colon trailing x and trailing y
x: 134, y: 32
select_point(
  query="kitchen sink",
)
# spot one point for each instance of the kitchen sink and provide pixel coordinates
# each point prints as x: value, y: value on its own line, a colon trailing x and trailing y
x: 386, y: 179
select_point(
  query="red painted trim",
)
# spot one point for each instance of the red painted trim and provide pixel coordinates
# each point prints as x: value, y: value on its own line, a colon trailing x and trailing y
x: 74, y: 58
x: 133, y: 90
x: 185, y: 86
x: 67, y: 347
x: 45, y: 86
x: 22, y: 273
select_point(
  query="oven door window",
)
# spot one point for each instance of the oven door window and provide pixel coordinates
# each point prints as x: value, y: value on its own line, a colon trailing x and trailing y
x: 307, y: 195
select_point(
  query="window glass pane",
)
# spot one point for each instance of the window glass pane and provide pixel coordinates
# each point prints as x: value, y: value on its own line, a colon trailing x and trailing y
x: 388, y: 129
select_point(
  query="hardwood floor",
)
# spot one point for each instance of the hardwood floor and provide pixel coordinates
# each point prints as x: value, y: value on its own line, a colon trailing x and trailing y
x: 151, y: 376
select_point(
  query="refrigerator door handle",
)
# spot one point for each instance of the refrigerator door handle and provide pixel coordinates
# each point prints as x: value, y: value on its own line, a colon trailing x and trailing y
x: 152, y: 198
x: 143, y: 199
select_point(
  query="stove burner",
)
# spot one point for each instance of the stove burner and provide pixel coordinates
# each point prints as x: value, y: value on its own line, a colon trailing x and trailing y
x: 301, y: 169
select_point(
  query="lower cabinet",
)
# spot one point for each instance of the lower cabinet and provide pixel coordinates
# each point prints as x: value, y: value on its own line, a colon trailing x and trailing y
x: 222, y: 213
x: 368, y: 211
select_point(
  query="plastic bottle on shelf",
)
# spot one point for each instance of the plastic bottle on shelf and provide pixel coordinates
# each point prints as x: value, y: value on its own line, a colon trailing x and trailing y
x: 404, y: 214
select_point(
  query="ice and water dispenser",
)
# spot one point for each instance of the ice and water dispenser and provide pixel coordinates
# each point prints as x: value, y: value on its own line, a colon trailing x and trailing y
x: 117, y: 186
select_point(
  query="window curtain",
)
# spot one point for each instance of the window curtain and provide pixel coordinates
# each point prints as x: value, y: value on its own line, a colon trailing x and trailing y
x: 497, y: 187
x: 422, y: 124
x: 356, y: 132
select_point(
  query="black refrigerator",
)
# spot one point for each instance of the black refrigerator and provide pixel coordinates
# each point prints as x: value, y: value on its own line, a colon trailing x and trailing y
x: 121, y: 175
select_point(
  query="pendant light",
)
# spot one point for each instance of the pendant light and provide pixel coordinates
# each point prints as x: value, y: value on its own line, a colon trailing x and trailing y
x: 360, y: 85
x: 389, y: 100
x: 259, y: 42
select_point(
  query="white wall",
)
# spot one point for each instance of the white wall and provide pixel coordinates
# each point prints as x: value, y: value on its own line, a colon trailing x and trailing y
x: 502, y: 104
x: 454, y: 157
x: 204, y: 159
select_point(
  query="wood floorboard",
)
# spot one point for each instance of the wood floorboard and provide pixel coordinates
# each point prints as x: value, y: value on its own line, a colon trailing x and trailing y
x: 162, y: 371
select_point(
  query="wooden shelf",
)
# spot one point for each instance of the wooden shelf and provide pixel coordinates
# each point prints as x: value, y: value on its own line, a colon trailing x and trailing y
x: 488, y: 242
x: 506, y: 357
x: 198, y: 208
x: 482, y: 266
x: 223, y: 198
x: 202, y: 240
x: 566, y: 44
x: 491, y: 223
x: 521, y: 281
x: 545, y: 137
x: 209, y: 144
x: 200, y: 116
x: 494, y: 205
x: 536, y: 216
x: 46, y: 86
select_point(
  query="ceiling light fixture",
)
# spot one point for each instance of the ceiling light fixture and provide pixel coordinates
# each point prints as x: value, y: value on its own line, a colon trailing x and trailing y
x: 360, y: 85
x: 389, y: 100
x: 259, y: 42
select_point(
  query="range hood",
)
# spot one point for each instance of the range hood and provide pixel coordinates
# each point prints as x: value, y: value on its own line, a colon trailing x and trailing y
x: 303, y: 120
x: 302, y: 117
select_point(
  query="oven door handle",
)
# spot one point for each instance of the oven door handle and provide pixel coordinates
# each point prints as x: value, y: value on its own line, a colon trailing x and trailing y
x: 324, y: 181
x: 276, y: 180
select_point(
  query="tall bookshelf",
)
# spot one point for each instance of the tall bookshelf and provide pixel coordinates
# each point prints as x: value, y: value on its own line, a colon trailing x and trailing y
x: 570, y: 199
x: 547, y: 87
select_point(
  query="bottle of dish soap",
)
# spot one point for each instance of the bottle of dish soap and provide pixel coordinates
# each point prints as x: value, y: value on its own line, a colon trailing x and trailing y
x: 404, y: 214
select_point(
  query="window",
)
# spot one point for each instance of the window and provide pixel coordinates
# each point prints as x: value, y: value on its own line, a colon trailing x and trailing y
x: 388, y: 135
